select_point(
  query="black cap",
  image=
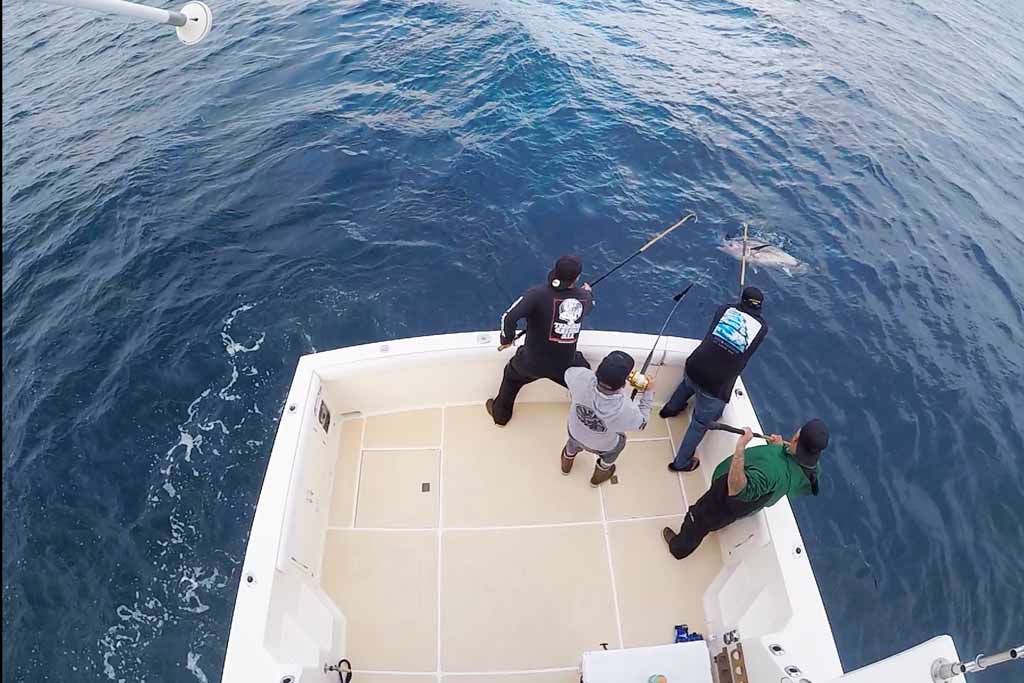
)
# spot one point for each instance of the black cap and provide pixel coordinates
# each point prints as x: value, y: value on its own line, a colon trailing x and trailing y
x: 567, y: 269
x: 752, y: 297
x: 812, y: 441
x: 614, y: 369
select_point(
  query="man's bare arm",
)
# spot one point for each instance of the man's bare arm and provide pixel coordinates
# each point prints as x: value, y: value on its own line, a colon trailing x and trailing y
x: 737, y: 473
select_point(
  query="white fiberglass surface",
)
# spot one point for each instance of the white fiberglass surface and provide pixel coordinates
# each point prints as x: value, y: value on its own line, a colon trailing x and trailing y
x: 457, y: 549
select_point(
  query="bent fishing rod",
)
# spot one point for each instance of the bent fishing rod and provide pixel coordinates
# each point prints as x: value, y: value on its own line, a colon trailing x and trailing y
x: 639, y: 380
x: 690, y: 215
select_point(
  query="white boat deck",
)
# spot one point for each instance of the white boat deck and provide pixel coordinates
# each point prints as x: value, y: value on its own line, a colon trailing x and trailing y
x: 458, y: 551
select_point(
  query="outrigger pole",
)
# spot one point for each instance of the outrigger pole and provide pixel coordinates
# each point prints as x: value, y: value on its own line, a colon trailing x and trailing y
x: 944, y: 670
x: 192, y: 23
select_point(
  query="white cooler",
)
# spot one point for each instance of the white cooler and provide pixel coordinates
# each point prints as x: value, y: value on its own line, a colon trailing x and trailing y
x: 678, y: 663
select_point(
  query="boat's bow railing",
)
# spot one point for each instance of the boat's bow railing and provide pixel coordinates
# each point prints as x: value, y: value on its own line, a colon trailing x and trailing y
x: 192, y: 23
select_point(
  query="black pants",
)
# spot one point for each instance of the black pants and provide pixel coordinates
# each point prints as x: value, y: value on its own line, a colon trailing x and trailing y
x: 518, y: 373
x: 715, y: 510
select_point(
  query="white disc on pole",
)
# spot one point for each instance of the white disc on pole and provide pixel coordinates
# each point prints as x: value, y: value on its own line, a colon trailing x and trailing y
x: 200, y: 18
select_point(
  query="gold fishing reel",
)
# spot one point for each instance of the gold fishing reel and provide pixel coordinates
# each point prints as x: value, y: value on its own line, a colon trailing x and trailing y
x: 638, y: 380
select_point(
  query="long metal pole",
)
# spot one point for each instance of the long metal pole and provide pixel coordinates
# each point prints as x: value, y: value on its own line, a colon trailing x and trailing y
x: 128, y: 9
x: 943, y: 669
x: 743, y: 261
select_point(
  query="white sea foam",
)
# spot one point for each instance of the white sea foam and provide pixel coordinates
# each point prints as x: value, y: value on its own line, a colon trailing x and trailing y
x: 192, y: 664
x: 179, y: 591
x: 192, y: 582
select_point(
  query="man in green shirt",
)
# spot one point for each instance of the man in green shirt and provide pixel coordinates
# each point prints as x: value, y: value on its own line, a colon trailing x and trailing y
x: 750, y: 480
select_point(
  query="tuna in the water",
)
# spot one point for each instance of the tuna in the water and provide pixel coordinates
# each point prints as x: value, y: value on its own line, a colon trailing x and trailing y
x: 763, y: 255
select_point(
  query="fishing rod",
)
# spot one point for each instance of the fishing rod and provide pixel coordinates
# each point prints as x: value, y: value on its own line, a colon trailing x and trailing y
x: 639, y: 380
x: 690, y: 215
x: 722, y: 427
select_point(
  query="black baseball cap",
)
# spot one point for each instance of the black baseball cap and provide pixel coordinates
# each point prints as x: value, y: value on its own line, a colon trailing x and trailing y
x: 812, y: 441
x: 567, y: 269
x: 614, y: 369
x: 752, y: 297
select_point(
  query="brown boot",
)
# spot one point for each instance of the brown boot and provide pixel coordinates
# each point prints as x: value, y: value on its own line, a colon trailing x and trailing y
x: 567, y: 461
x: 602, y: 473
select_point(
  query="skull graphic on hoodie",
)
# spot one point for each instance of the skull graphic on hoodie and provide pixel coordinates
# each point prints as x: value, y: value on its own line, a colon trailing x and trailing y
x: 565, y: 324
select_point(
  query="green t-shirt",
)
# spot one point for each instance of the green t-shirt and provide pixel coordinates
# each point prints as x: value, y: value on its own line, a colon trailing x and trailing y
x: 771, y: 474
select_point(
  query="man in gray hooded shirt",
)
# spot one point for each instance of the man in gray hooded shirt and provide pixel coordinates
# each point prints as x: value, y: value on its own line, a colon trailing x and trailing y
x: 600, y: 414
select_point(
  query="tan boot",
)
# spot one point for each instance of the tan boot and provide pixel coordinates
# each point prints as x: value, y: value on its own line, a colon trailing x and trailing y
x: 567, y: 461
x: 602, y: 473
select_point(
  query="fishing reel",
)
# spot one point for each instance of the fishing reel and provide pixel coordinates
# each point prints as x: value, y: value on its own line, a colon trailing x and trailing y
x: 638, y: 380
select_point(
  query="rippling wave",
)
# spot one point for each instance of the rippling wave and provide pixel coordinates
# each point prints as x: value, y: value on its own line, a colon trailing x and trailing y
x: 180, y: 224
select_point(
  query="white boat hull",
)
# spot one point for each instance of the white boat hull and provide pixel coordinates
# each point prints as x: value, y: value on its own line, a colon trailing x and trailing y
x: 286, y: 627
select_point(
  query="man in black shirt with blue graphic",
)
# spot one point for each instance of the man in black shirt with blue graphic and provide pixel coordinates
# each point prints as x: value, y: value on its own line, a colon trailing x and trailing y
x: 711, y: 370
x: 554, y: 315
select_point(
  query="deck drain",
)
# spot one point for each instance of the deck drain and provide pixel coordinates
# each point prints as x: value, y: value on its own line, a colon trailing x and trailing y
x: 425, y: 487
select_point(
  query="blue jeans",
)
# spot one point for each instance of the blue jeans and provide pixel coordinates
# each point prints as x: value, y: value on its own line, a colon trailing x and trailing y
x: 706, y: 409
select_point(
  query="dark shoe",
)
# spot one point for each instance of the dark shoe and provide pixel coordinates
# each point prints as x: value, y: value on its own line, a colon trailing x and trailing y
x: 489, y: 405
x: 665, y: 413
x: 688, y: 467
x: 601, y: 475
x: 567, y: 462
x: 668, y: 535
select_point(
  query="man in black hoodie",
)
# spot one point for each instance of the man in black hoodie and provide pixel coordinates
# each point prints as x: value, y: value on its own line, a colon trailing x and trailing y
x: 711, y: 370
x: 554, y: 315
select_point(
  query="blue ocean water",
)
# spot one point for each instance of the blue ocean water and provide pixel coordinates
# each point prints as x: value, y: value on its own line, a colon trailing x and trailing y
x: 180, y: 224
